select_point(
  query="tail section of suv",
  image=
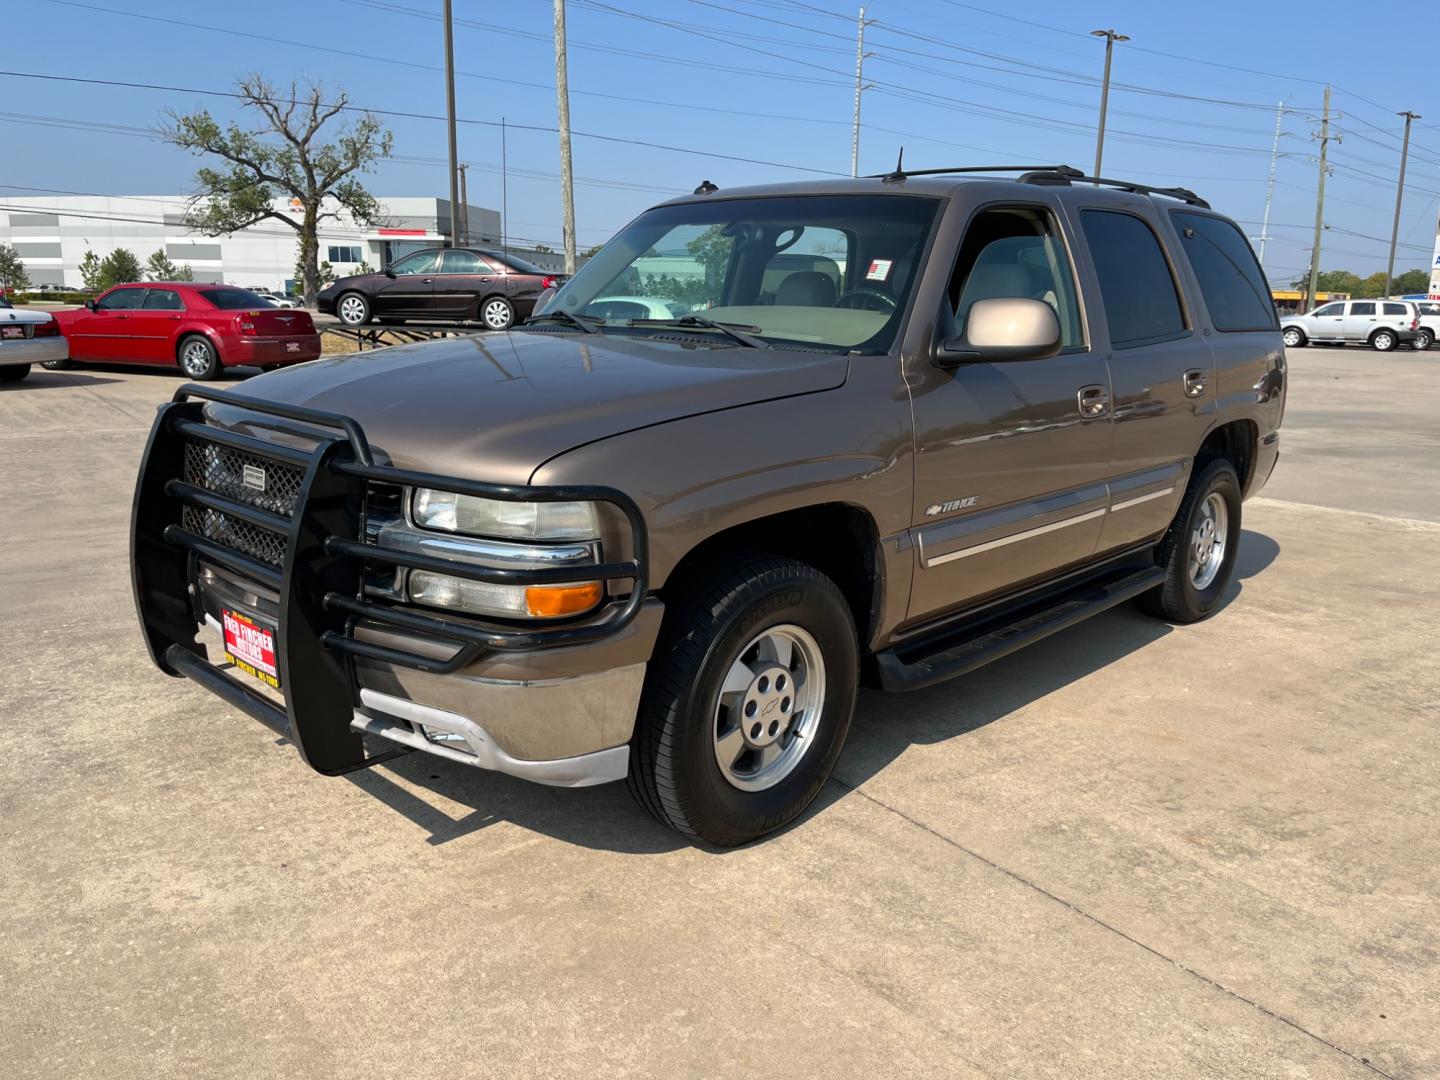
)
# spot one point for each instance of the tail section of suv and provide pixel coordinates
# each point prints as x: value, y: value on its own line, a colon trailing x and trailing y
x: 766, y: 446
x: 1383, y: 325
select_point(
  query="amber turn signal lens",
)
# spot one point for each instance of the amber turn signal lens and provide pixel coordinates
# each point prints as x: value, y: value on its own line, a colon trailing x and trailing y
x: 553, y: 601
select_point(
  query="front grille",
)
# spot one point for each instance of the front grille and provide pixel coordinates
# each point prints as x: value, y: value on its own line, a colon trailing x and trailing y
x: 273, y: 486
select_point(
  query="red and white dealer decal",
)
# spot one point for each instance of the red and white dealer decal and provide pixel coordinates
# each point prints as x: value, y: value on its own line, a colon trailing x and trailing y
x: 250, y: 647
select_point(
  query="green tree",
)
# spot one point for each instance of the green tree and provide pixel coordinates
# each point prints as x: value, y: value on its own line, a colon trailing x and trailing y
x: 1332, y: 281
x: 282, y: 159
x: 364, y: 268
x: 90, y: 271
x: 324, y: 274
x: 1412, y: 281
x: 184, y: 272
x: 544, y: 249
x: 1373, y: 286
x: 12, y: 270
x: 160, y: 268
x: 118, y: 267
x: 590, y: 253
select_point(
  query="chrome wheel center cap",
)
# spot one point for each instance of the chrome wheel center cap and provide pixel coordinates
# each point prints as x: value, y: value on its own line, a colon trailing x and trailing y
x: 766, y: 707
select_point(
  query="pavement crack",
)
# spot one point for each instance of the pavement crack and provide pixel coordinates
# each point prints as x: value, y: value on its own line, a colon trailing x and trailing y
x: 1096, y: 920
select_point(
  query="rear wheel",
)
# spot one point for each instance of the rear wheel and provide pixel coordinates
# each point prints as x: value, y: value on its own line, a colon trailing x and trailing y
x: 747, y: 702
x: 1198, y: 553
x: 353, y: 309
x: 1383, y: 340
x: 198, y: 358
x: 14, y: 372
x: 496, y: 313
x: 1423, y: 340
x: 1294, y: 337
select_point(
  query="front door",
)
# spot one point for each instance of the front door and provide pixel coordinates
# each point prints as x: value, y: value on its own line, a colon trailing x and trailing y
x: 1011, y: 458
x: 1329, y: 323
x: 105, y: 333
x: 411, y: 288
x: 1360, y: 320
x: 463, y: 279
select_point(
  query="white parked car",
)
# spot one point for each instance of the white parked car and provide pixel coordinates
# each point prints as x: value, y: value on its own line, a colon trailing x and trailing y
x: 1429, y: 322
x: 280, y: 300
x: 1381, y: 324
x: 619, y: 308
x: 28, y: 337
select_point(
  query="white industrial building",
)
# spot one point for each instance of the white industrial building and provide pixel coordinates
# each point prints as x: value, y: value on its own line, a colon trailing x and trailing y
x: 52, y: 233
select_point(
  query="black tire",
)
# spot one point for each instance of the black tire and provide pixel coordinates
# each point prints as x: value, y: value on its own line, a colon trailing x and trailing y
x: 353, y: 309
x: 1384, y: 340
x: 496, y: 313
x: 197, y: 358
x: 1423, y: 340
x: 1179, y: 600
x: 674, y: 772
x: 1294, y: 337
x: 58, y: 365
x: 14, y: 372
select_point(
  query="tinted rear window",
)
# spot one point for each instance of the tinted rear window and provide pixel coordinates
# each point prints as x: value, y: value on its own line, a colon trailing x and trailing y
x: 523, y: 266
x: 234, y: 299
x: 1396, y: 309
x: 1362, y: 309
x: 1141, y: 302
x: 1234, y: 288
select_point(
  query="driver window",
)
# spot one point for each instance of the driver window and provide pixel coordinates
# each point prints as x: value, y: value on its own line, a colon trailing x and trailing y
x: 121, y: 300
x: 1332, y: 309
x: 1015, y: 252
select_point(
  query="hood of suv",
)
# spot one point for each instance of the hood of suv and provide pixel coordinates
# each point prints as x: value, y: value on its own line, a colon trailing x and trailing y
x: 495, y: 407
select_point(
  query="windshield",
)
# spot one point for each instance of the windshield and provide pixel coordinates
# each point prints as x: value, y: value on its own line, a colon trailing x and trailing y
x: 833, y: 271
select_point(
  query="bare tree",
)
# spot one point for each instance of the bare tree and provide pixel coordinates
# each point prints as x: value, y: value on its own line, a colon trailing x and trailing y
x: 281, y: 158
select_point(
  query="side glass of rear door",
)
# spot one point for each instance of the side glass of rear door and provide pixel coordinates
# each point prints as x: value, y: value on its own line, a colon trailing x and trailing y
x: 412, y: 288
x: 464, y: 280
x: 1011, y: 458
x: 1396, y: 315
x: 1161, y: 368
x: 1360, y: 320
x: 105, y: 334
x: 154, y: 324
x: 1329, y: 323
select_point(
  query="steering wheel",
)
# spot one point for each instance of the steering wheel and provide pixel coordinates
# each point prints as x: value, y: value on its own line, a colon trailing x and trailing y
x: 866, y: 298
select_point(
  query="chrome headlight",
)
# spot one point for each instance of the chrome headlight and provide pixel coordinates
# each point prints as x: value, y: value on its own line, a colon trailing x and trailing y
x: 472, y: 515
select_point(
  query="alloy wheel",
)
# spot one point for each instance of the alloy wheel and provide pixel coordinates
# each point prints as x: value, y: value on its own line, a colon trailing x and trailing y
x: 1208, y: 541
x: 496, y: 314
x: 352, y: 310
x: 195, y: 357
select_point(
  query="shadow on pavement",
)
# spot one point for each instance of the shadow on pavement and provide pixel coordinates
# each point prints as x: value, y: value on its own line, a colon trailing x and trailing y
x: 885, y: 725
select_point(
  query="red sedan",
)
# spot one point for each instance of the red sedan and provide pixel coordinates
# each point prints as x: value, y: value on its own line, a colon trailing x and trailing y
x: 201, y: 328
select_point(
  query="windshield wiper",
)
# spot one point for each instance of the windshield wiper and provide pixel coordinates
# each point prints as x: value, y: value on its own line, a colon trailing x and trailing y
x: 737, y: 331
x: 584, y: 322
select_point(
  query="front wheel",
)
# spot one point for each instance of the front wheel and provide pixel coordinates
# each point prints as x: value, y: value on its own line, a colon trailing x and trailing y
x: 1294, y: 338
x: 496, y: 313
x: 1383, y: 340
x: 198, y: 359
x: 353, y: 309
x: 1423, y: 340
x: 747, y: 702
x: 14, y: 372
x: 1198, y: 553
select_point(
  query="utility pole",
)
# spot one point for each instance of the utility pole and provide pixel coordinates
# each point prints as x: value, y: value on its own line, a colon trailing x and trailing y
x: 567, y: 180
x: 1110, y: 37
x: 1319, y: 203
x: 464, y: 206
x: 1270, y: 184
x: 860, y: 88
x: 450, y: 114
x: 504, y: 193
x: 1410, y: 118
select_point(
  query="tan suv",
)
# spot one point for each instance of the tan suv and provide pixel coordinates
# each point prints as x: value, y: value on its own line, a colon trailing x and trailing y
x: 887, y: 430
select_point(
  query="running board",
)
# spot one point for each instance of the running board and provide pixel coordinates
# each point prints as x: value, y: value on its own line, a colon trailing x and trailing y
x: 956, y: 653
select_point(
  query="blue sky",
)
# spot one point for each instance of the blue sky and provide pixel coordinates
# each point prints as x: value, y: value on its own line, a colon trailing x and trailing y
x: 769, y: 80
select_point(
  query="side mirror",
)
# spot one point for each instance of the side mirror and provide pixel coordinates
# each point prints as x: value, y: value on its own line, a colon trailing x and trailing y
x: 1003, y: 329
x: 389, y: 273
x: 90, y: 305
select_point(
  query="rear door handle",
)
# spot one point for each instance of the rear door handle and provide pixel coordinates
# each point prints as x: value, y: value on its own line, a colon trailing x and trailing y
x: 1195, y: 381
x: 1092, y: 400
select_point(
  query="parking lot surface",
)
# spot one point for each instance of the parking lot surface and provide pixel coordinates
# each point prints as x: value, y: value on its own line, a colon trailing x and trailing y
x: 1133, y: 850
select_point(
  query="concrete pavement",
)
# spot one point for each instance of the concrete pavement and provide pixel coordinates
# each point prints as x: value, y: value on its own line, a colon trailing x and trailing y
x: 1132, y: 850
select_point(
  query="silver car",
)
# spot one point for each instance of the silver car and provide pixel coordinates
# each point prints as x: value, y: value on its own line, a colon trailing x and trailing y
x: 1382, y: 324
x: 28, y: 337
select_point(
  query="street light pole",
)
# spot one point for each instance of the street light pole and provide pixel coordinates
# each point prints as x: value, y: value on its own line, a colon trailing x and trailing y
x: 1410, y: 118
x: 567, y: 179
x: 1270, y: 184
x: 860, y: 55
x: 1110, y: 37
x: 450, y: 116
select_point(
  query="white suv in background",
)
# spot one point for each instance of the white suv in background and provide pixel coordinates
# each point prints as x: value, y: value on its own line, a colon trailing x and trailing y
x: 1381, y: 324
x: 1429, y: 311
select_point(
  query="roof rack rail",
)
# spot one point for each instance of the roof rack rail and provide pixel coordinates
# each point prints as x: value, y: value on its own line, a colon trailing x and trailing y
x: 900, y: 172
x: 1065, y: 175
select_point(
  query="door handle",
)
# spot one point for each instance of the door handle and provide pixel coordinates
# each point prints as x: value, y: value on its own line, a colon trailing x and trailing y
x: 1194, y: 381
x: 484, y: 280
x: 427, y: 281
x: 1092, y: 400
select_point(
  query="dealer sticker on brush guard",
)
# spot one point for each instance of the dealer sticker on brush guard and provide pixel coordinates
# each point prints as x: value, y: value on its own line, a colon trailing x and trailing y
x: 879, y: 269
x: 250, y: 646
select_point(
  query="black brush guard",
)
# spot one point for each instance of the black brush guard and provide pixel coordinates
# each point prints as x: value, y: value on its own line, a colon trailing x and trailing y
x: 321, y: 584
